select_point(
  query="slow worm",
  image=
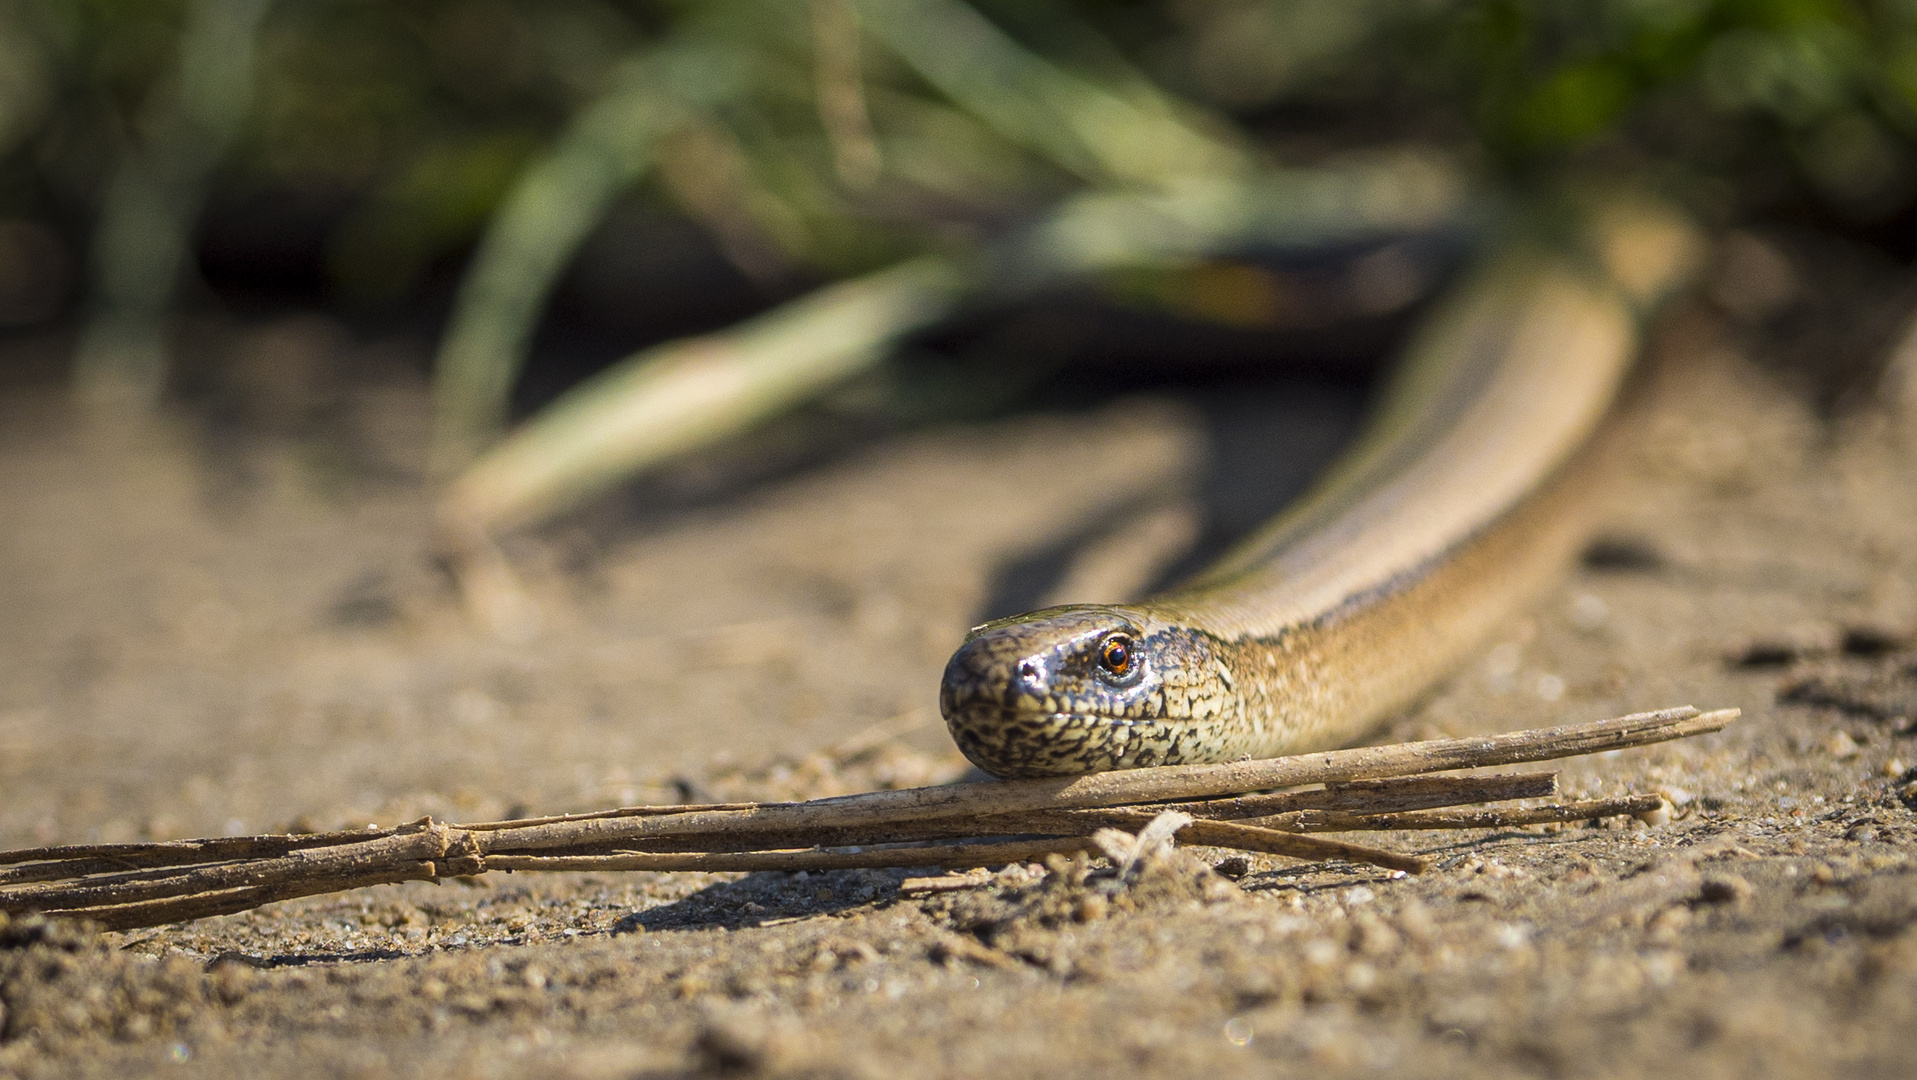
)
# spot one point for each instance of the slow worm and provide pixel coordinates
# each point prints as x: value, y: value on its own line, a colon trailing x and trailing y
x: 1461, y: 501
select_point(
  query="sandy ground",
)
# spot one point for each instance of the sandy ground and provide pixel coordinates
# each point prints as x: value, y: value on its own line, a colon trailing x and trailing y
x: 220, y: 629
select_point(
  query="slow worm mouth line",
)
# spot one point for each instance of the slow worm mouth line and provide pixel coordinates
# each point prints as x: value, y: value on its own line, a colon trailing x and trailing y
x: 1000, y: 713
x: 1462, y: 501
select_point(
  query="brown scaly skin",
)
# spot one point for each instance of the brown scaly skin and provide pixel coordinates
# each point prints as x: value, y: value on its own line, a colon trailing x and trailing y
x: 1026, y: 696
x: 1466, y: 502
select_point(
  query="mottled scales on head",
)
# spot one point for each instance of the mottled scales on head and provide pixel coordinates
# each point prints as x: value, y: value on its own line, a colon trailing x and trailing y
x: 1082, y: 688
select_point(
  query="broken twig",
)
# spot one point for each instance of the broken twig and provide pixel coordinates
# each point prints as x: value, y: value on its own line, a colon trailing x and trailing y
x: 123, y: 886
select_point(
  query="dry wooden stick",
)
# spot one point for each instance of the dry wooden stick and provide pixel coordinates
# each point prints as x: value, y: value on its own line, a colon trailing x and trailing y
x: 1075, y: 833
x: 60, y: 870
x: 1134, y: 785
x: 1241, y: 837
x: 95, y: 873
x: 411, y: 852
x: 1381, y: 796
x: 949, y: 857
x: 180, y: 852
x: 174, y: 909
x: 236, y: 887
x: 1401, y: 793
x: 620, y: 812
x: 1311, y: 821
x: 1141, y: 785
x: 1395, y: 793
x: 128, y: 885
x: 1384, y: 796
x: 410, y: 855
x: 414, y: 847
x: 1235, y: 835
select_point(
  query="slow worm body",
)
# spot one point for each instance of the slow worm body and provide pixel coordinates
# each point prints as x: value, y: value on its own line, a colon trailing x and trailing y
x: 1462, y: 501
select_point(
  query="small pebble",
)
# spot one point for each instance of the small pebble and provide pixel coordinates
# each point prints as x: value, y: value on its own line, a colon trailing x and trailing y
x: 1840, y: 745
x: 1895, y: 767
x: 1661, y: 815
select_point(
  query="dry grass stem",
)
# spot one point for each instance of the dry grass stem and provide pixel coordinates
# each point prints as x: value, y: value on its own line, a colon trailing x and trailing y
x: 123, y: 886
x: 1137, y: 785
x: 1240, y: 837
x: 164, y: 852
x: 134, y: 916
x: 1341, y: 821
x: 1371, y: 796
x: 1382, y: 796
x: 945, y: 857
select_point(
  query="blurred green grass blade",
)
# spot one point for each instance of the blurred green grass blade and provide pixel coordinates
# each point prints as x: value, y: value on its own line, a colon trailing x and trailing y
x: 153, y: 202
x: 1297, y: 208
x: 685, y: 394
x: 536, y: 231
x: 1136, y: 138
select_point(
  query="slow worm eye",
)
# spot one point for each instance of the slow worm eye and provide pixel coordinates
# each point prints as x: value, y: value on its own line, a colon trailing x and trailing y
x: 1115, y: 655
